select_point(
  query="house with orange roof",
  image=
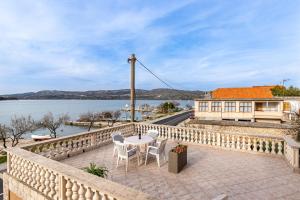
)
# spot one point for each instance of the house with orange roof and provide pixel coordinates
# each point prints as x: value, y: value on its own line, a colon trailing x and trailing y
x: 255, y: 104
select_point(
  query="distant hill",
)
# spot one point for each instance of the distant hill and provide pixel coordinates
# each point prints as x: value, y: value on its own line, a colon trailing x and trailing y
x: 159, y: 94
x: 7, y: 98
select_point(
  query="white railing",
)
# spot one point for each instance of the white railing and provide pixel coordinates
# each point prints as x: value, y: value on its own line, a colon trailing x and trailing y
x: 292, y: 152
x: 224, y: 140
x: 67, y: 146
x: 59, y: 181
x: 31, y: 164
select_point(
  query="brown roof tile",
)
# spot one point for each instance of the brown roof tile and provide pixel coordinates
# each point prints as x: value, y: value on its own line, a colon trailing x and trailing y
x: 255, y: 92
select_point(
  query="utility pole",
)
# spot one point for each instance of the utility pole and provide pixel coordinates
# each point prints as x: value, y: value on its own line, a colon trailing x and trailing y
x: 283, y: 81
x: 132, y: 61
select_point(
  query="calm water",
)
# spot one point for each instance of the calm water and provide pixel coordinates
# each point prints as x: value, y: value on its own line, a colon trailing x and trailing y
x: 37, y: 108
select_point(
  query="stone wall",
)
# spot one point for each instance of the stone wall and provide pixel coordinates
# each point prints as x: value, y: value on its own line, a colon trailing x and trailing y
x: 243, y: 127
x: 15, y: 190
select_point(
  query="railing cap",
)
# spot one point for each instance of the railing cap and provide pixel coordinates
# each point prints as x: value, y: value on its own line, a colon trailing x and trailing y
x: 118, y: 191
x: 291, y: 142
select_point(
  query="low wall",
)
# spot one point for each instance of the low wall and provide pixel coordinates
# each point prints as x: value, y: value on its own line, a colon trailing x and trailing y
x: 16, y: 190
x: 266, y: 129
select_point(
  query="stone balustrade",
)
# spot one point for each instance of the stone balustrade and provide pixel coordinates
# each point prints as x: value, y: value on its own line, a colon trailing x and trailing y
x: 55, y: 180
x: 36, y: 165
x: 230, y: 140
x: 292, y: 152
x: 67, y: 146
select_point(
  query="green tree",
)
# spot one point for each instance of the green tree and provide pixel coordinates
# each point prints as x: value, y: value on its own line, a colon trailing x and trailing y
x: 166, y: 107
x: 283, y: 91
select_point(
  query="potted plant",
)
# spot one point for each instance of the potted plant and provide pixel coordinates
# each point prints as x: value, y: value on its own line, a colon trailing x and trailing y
x: 177, y: 158
x: 98, y: 171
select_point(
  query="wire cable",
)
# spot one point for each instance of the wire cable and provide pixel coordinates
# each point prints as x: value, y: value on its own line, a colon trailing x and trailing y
x: 164, y: 82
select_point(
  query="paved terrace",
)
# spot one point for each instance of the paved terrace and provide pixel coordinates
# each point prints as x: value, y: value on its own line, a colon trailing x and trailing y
x: 209, y: 173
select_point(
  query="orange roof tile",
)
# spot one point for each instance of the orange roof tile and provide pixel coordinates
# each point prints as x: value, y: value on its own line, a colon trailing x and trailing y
x: 255, y: 92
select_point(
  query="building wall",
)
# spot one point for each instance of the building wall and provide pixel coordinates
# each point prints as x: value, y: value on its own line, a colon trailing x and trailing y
x: 259, y: 116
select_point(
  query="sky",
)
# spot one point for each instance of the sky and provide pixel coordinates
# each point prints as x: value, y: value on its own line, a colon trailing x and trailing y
x: 191, y: 44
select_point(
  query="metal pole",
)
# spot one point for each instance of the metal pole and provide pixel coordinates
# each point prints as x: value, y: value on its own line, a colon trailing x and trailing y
x: 132, y: 61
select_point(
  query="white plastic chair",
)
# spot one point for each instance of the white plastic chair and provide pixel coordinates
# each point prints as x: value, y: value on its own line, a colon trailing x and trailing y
x: 154, y: 134
x: 157, y: 151
x: 117, y: 136
x: 125, y: 154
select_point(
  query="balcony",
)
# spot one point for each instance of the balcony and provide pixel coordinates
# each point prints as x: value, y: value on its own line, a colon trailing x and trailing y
x: 240, y: 166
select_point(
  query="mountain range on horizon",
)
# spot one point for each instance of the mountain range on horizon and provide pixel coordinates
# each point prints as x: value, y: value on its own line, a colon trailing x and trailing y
x: 153, y: 94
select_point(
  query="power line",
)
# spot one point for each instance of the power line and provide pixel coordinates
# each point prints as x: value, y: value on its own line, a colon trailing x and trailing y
x: 164, y: 82
x: 156, y: 76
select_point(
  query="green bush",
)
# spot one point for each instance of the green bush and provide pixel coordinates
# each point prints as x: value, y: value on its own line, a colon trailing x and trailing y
x: 3, y: 159
x: 98, y: 171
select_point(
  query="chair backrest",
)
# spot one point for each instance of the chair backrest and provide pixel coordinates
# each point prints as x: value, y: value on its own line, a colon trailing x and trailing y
x: 121, y: 148
x: 117, y: 137
x: 152, y: 133
x: 162, y: 146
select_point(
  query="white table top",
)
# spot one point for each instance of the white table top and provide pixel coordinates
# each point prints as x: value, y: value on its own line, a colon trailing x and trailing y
x: 134, y: 140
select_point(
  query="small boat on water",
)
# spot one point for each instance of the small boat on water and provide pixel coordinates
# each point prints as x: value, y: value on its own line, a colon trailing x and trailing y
x: 40, y: 137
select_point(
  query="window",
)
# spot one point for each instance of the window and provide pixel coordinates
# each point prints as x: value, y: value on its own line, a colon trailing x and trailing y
x: 229, y: 107
x: 286, y: 106
x: 245, y: 106
x: 203, y: 106
x: 216, y: 106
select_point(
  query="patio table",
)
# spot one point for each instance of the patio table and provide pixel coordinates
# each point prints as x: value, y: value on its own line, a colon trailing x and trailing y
x: 135, y: 141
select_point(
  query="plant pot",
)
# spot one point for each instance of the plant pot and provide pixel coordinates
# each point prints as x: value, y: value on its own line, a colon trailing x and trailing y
x: 177, y: 161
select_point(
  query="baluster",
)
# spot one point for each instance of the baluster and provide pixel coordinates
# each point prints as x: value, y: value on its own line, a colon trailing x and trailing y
x: 37, y: 178
x: 273, y: 147
x: 213, y: 139
x: 249, y: 144
x: 19, y: 168
x: 42, y: 180
x: 267, y: 142
x: 261, y: 145
x: 56, y: 188
x: 254, y: 144
x: 223, y: 141
x: 69, y: 190
x: 52, y: 185
x: 74, y: 191
x: 209, y: 138
x: 81, y: 192
x: 244, y: 143
x: 88, y: 194
x: 47, y: 182
x: 29, y: 172
x: 279, y: 148
x: 233, y: 146
x: 33, y: 176
x: 25, y: 172
x: 218, y: 139
x: 227, y: 141
x: 204, y: 137
x: 200, y: 136
x: 96, y: 196
x: 238, y: 142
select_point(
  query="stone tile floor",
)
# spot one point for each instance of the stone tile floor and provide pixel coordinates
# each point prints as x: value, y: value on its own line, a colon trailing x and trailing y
x: 210, y: 172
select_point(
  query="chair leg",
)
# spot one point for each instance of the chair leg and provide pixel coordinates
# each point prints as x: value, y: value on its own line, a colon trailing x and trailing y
x: 157, y: 158
x: 126, y: 165
x: 114, y: 153
x: 118, y: 161
x: 146, y: 158
x: 138, y: 159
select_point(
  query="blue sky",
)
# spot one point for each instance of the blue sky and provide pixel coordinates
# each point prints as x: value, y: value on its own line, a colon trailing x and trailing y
x: 192, y: 44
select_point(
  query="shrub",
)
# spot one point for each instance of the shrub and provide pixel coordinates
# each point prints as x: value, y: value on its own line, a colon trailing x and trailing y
x: 98, y: 171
